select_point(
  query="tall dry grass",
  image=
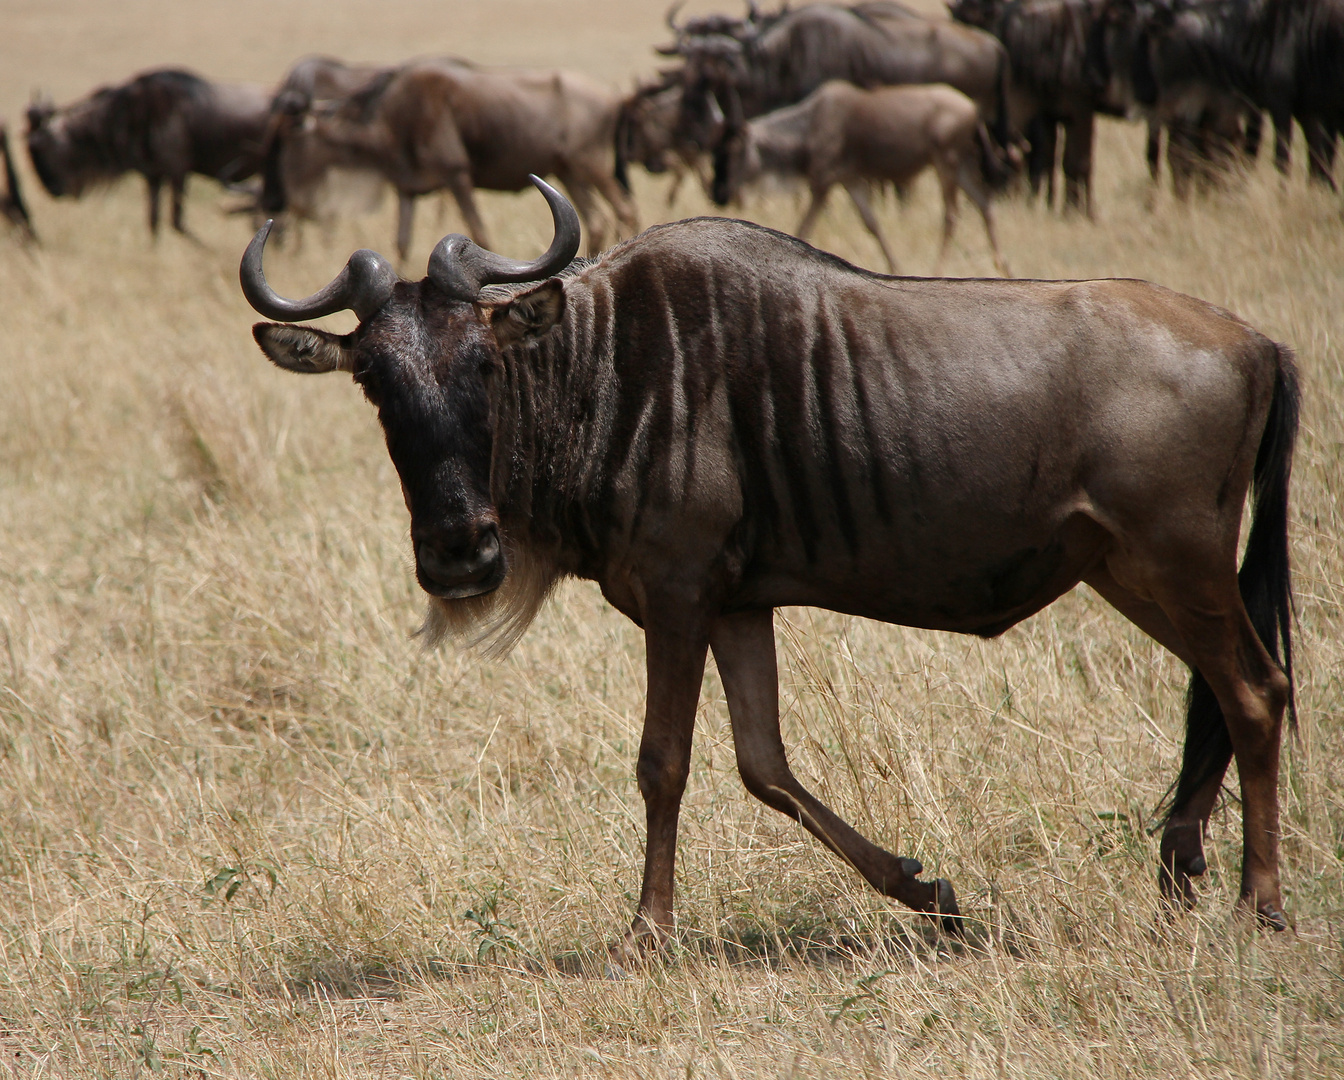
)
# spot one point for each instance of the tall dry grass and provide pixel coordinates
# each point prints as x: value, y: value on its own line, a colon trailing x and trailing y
x: 249, y: 827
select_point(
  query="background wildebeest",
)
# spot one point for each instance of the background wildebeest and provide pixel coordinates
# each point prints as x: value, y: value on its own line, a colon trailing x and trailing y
x: 447, y: 124
x: 714, y: 420
x: 765, y: 62
x: 841, y: 134
x: 12, y: 205
x: 655, y: 131
x: 1230, y: 59
x: 1055, y: 84
x: 164, y: 125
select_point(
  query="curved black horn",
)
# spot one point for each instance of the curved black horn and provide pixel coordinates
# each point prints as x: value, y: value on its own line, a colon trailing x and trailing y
x: 461, y: 268
x: 363, y: 286
x: 671, y: 17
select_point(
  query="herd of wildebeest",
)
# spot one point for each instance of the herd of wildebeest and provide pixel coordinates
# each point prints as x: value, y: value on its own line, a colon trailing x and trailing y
x: 713, y: 419
x: 982, y: 98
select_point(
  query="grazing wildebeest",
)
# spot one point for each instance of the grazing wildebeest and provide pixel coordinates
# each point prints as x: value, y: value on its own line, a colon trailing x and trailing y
x: 164, y: 125
x: 714, y: 420
x: 447, y: 124
x: 12, y: 206
x: 769, y: 61
x: 653, y: 130
x: 841, y: 134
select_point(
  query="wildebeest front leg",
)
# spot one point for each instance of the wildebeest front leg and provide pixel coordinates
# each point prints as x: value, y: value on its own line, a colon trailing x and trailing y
x: 744, y: 650
x: 405, y: 220
x: 675, y: 663
x: 177, y: 187
x: 859, y: 194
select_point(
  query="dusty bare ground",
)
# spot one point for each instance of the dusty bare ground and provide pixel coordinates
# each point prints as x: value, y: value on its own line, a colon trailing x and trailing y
x: 248, y: 827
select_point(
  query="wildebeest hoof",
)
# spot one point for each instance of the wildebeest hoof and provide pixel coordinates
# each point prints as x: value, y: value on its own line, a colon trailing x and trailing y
x: 911, y: 867
x: 1181, y: 859
x: 1271, y: 918
x: 949, y: 914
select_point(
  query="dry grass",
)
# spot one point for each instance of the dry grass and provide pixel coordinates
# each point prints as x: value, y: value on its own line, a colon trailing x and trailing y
x: 248, y: 827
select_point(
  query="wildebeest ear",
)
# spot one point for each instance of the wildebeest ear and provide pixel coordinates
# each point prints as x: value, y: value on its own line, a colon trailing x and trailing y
x: 529, y: 315
x: 304, y: 349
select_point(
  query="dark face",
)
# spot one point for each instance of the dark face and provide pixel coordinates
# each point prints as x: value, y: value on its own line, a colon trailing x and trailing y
x: 427, y: 363
x: 47, y: 148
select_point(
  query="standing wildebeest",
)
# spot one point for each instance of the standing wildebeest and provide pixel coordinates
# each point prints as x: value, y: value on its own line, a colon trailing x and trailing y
x: 162, y: 124
x: 841, y: 134
x: 12, y: 206
x: 439, y: 124
x: 771, y: 61
x: 714, y: 419
x: 1055, y: 84
x: 1283, y: 56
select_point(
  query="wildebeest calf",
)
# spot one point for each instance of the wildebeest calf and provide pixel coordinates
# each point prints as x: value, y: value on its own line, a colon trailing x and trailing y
x: 841, y: 134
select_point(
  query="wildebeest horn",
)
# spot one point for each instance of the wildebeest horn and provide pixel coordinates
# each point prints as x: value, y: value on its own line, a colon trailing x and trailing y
x: 671, y: 17
x: 363, y: 286
x: 461, y: 268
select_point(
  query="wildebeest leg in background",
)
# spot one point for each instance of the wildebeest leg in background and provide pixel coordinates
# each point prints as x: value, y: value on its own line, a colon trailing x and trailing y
x: 1253, y: 132
x: 1182, y: 156
x: 405, y: 220
x: 809, y: 221
x: 154, y: 185
x: 177, y: 187
x: 859, y: 193
x: 675, y: 646
x: 1078, y: 136
x: 1041, y: 135
x: 973, y: 183
x: 1320, y: 151
x: 594, y: 223
x: 459, y: 183
x: 627, y: 217
x: 744, y: 650
x: 1283, y: 138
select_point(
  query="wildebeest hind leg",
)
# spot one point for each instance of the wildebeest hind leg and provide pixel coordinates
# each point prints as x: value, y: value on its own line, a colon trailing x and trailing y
x: 1251, y: 691
x: 1207, y: 751
x: 154, y: 185
x: 744, y: 650
x: 978, y: 192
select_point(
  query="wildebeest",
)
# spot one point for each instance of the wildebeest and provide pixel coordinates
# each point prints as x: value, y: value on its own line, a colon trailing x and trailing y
x: 770, y: 61
x: 12, y: 206
x: 713, y: 420
x: 655, y: 131
x: 1283, y: 56
x: 162, y: 124
x: 841, y: 134
x: 1056, y: 84
x: 447, y: 124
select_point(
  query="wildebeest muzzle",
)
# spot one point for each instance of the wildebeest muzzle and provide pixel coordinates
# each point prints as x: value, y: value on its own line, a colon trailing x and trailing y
x: 453, y: 564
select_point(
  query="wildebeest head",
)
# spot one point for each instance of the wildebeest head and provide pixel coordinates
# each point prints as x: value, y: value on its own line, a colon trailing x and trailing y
x: 424, y: 353
x: 69, y: 147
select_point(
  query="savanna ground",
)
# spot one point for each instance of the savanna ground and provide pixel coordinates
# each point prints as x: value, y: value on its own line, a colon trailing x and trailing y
x: 249, y: 827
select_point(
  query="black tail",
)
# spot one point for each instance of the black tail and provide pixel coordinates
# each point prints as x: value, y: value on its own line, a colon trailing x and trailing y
x: 1266, y: 585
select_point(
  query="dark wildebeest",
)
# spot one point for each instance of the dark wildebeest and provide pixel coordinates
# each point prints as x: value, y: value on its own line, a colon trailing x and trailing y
x: 713, y: 420
x: 12, y: 206
x: 447, y: 124
x: 1285, y: 57
x: 164, y: 125
x: 1055, y: 84
x: 653, y: 130
x: 841, y: 134
x: 774, y: 60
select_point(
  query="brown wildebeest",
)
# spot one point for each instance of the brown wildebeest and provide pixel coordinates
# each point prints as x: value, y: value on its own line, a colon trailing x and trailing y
x: 12, y: 206
x: 439, y: 124
x: 844, y: 135
x: 714, y: 420
x: 164, y: 125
